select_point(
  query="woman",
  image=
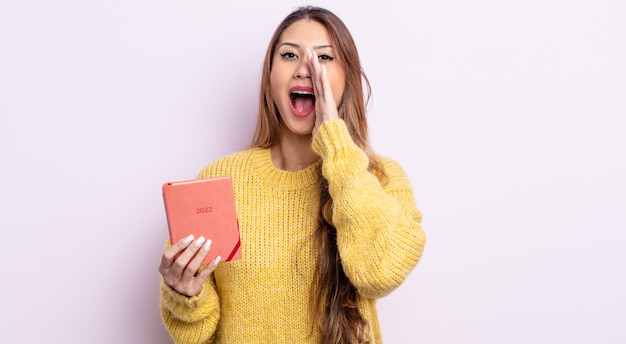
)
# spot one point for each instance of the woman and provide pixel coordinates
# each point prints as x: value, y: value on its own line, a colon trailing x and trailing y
x: 327, y: 227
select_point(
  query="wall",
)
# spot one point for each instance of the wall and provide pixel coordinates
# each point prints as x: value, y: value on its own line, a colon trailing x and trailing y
x: 509, y: 118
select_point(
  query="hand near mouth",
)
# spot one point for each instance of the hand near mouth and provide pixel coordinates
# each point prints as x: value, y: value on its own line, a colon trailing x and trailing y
x: 325, y: 106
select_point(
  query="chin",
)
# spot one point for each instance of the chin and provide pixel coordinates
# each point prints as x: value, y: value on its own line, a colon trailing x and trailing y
x: 302, y: 131
x: 297, y: 129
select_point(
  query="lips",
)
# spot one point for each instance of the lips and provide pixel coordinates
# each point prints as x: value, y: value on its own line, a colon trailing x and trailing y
x: 302, y: 101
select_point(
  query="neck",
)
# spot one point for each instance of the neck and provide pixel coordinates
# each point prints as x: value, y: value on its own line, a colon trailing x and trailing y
x: 293, y: 152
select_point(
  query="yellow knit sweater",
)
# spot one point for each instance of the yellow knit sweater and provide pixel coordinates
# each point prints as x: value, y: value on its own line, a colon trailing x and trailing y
x: 263, y: 297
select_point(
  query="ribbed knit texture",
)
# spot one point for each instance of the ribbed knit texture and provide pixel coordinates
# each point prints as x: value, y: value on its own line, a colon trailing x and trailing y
x: 263, y: 297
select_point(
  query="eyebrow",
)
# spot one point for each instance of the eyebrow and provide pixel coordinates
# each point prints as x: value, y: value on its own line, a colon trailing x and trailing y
x: 298, y: 45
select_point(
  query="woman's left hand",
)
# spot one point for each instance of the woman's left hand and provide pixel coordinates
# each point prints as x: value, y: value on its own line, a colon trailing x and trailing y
x: 325, y: 106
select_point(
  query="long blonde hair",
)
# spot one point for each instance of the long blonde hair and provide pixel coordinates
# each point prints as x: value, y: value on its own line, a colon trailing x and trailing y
x: 334, y: 300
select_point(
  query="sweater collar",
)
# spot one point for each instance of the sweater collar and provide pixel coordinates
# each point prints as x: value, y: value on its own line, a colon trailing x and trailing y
x: 268, y: 172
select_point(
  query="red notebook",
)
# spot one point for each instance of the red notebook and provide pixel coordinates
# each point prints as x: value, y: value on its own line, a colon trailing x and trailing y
x: 204, y: 207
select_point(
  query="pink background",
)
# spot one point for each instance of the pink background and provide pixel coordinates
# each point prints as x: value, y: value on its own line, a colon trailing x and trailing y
x: 509, y: 118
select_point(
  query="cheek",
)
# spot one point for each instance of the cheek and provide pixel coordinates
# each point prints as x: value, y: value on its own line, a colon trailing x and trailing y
x: 338, y: 85
x: 337, y: 81
x: 274, y: 88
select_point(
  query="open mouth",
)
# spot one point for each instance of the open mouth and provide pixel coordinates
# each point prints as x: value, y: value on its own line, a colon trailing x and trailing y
x: 302, y: 102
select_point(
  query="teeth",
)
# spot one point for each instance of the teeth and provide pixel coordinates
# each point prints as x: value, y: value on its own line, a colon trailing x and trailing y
x: 304, y: 93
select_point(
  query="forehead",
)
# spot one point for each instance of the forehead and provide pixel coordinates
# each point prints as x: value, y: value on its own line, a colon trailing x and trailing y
x: 306, y: 32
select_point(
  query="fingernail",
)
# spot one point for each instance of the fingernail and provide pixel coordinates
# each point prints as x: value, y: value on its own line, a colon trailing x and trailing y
x: 199, y: 242
x: 207, y: 245
x: 188, y: 239
x: 217, y: 260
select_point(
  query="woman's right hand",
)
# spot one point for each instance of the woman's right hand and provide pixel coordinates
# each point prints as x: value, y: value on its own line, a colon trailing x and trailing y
x: 180, y: 263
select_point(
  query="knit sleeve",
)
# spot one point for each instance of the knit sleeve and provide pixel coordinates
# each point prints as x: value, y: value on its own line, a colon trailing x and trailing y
x: 379, y: 236
x: 190, y: 319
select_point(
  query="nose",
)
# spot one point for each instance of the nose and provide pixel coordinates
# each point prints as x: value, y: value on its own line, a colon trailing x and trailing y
x: 303, y: 69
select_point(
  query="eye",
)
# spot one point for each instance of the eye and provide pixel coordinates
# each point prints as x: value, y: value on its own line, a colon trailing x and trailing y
x: 325, y: 58
x: 288, y: 55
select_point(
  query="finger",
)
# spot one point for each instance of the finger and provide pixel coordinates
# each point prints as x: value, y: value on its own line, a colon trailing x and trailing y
x: 321, y: 84
x: 183, y: 260
x: 209, y: 269
x: 311, y: 66
x: 195, y: 285
x: 315, y: 70
x: 170, y: 253
x: 194, y: 264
